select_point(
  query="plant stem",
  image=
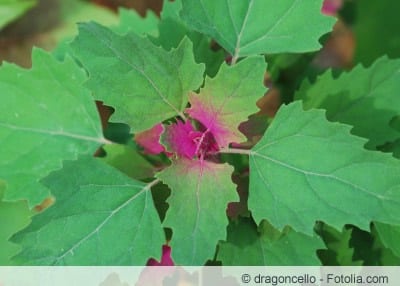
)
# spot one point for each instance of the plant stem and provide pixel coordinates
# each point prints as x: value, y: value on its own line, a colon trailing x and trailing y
x: 182, y: 116
x: 234, y: 59
x: 236, y: 151
x: 106, y: 141
x: 152, y: 184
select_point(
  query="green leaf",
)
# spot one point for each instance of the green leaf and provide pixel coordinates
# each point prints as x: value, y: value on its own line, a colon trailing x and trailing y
x: 172, y: 30
x: 12, y: 9
x: 71, y: 13
x: 328, y: 175
x: 390, y: 236
x: 46, y: 116
x: 376, y: 30
x: 339, y: 251
x: 14, y: 217
x: 383, y: 245
x: 197, y: 207
x: 366, y: 98
x: 101, y: 217
x: 259, y: 26
x: 246, y: 245
x: 131, y: 21
x: 127, y: 72
x: 221, y: 107
x: 129, y: 161
x: 76, y: 11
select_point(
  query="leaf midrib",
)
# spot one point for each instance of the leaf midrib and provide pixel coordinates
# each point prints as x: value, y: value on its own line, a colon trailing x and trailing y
x: 120, y: 57
x: 104, y: 222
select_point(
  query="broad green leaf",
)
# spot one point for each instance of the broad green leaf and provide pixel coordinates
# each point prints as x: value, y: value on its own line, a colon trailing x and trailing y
x: 253, y: 27
x: 14, y: 216
x: 338, y: 252
x: 376, y: 30
x: 248, y: 246
x: 143, y: 82
x: 12, y: 9
x: 71, y: 13
x: 306, y: 169
x: 172, y: 30
x: 200, y: 194
x: 101, y: 217
x: 390, y: 236
x: 76, y: 11
x: 366, y: 98
x: 46, y: 116
x: 131, y: 21
x: 221, y: 107
x: 128, y: 160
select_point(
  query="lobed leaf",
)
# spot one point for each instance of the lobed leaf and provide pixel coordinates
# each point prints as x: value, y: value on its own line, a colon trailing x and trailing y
x: 254, y: 27
x: 46, y: 116
x: 339, y: 251
x: 248, y: 246
x: 366, y: 98
x: 101, y: 217
x: 328, y: 175
x: 221, y: 107
x: 389, y: 235
x: 172, y: 30
x: 200, y: 193
x: 129, y: 72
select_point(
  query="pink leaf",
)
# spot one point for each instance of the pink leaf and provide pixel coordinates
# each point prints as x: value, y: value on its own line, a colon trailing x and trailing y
x: 203, y: 110
x: 331, y: 7
x: 178, y: 139
x: 156, y: 275
x: 166, y: 259
x: 183, y: 140
x: 149, y: 140
x: 221, y: 107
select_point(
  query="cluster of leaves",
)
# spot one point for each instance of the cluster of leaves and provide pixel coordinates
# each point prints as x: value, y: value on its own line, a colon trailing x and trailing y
x: 199, y: 170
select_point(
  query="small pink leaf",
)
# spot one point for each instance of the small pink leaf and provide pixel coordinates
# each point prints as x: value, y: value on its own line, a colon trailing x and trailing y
x: 179, y: 138
x: 149, y: 140
x: 203, y: 110
x: 155, y: 275
x: 166, y: 259
x: 331, y: 7
x: 183, y: 140
x: 221, y: 107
